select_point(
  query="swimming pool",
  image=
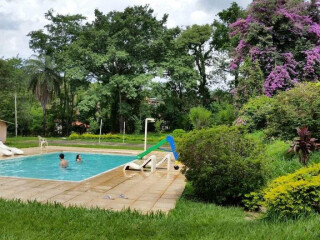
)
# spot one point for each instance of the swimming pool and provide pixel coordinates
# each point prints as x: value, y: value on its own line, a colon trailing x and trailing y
x: 46, y: 166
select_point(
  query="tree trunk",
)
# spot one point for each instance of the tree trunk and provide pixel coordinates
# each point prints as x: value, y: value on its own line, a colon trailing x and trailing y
x: 44, y: 120
x: 204, y: 92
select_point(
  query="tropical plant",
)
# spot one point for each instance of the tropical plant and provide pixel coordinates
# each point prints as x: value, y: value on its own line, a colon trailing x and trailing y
x: 304, y: 145
x: 44, y: 81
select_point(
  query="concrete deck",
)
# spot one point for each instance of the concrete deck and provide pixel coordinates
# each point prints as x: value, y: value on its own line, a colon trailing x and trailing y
x: 145, y: 191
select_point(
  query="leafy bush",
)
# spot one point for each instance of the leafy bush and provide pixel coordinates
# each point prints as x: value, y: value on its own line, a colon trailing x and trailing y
x: 200, y: 117
x: 223, y: 113
x: 137, y: 125
x: 256, y: 111
x: 94, y: 126
x: 295, y: 108
x: 222, y: 164
x: 157, y: 126
x: 294, y: 194
x: 177, y: 133
x: 253, y: 201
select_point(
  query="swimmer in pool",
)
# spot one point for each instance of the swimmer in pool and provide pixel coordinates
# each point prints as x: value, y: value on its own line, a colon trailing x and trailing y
x: 78, y: 158
x: 63, y: 163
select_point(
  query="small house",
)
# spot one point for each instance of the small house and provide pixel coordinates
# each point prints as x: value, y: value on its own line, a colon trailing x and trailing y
x: 3, y: 131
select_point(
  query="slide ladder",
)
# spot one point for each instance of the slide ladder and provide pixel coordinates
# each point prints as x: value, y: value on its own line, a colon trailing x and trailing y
x: 169, y: 139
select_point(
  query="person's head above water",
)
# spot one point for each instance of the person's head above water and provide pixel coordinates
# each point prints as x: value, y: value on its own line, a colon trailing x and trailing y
x: 78, y: 157
x: 61, y: 156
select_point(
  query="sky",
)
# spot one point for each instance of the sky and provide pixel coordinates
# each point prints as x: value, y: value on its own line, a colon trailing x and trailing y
x: 19, y: 17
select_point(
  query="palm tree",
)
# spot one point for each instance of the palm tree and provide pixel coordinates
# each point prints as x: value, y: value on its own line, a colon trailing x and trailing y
x: 44, y: 81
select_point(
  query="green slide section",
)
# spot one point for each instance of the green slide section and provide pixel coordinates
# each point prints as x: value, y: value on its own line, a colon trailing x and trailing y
x: 150, y: 149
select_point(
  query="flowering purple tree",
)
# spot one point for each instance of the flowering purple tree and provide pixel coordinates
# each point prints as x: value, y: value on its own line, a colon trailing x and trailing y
x: 283, y: 36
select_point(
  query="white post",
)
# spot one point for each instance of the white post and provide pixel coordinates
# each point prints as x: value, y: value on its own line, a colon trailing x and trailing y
x: 153, y: 165
x: 15, y: 113
x: 146, y: 131
x: 145, y: 134
x: 100, y: 130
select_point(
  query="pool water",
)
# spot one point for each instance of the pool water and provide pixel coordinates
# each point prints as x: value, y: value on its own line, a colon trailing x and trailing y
x: 46, y: 166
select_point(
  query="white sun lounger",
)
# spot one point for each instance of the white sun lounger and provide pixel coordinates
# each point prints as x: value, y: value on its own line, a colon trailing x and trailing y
x: 131, y: 165
x: 11, y: 149
x: 5, y: 152
x: 158, y: 164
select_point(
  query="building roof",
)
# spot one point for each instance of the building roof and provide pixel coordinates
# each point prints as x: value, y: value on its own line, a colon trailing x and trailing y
x: 6, y: 121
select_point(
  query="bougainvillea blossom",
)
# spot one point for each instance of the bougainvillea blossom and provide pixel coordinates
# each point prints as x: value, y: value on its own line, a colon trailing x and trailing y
x: 283, y: 36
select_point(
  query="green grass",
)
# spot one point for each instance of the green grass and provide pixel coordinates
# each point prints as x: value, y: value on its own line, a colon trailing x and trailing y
x: 190, y: 220
x: 26, y: 142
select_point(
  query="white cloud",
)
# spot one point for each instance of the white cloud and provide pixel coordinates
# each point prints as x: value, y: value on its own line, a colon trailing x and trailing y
x: 19, y: 17
x: 200, y: 17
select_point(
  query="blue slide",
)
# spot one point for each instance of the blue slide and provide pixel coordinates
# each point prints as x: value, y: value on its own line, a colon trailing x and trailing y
x: 173, y: 146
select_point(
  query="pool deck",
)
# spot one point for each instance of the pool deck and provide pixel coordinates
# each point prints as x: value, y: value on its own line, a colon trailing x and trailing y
x: 143, y: 191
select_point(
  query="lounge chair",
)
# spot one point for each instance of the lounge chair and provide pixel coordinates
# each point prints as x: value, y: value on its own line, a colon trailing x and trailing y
x: 11, y: 149
x: 5, y: 152
x: 158, y: 164
x: 131, y: 165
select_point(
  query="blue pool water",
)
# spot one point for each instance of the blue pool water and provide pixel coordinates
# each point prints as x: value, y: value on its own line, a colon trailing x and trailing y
x: 46, y: 166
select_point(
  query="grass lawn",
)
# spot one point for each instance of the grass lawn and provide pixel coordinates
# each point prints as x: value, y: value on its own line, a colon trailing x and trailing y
x: 26, y: 142
x: 190, y: 220
x: 134, y: 142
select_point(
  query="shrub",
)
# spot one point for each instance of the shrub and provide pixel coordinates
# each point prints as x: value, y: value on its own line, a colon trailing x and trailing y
x: 137, y: 125
x: 177, y: 133
x: 94, y: 126
x: 256, y: 111
x: 200, y: 117
x: 116, y: 137
x: 222, y: 164
x: 294, y: 194
x: 74, y: 136
x: 157, y: 126
x: 223, y: 114
x: 295, y: 108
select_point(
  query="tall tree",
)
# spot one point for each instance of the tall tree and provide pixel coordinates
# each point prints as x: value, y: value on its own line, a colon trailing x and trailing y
x: 179, y: 92
x: 14, y: 80
x: 53, y: 41
x: 198, y: 40
x: 223, y: 42
x: 121, y: 50
x: 44, y: 81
